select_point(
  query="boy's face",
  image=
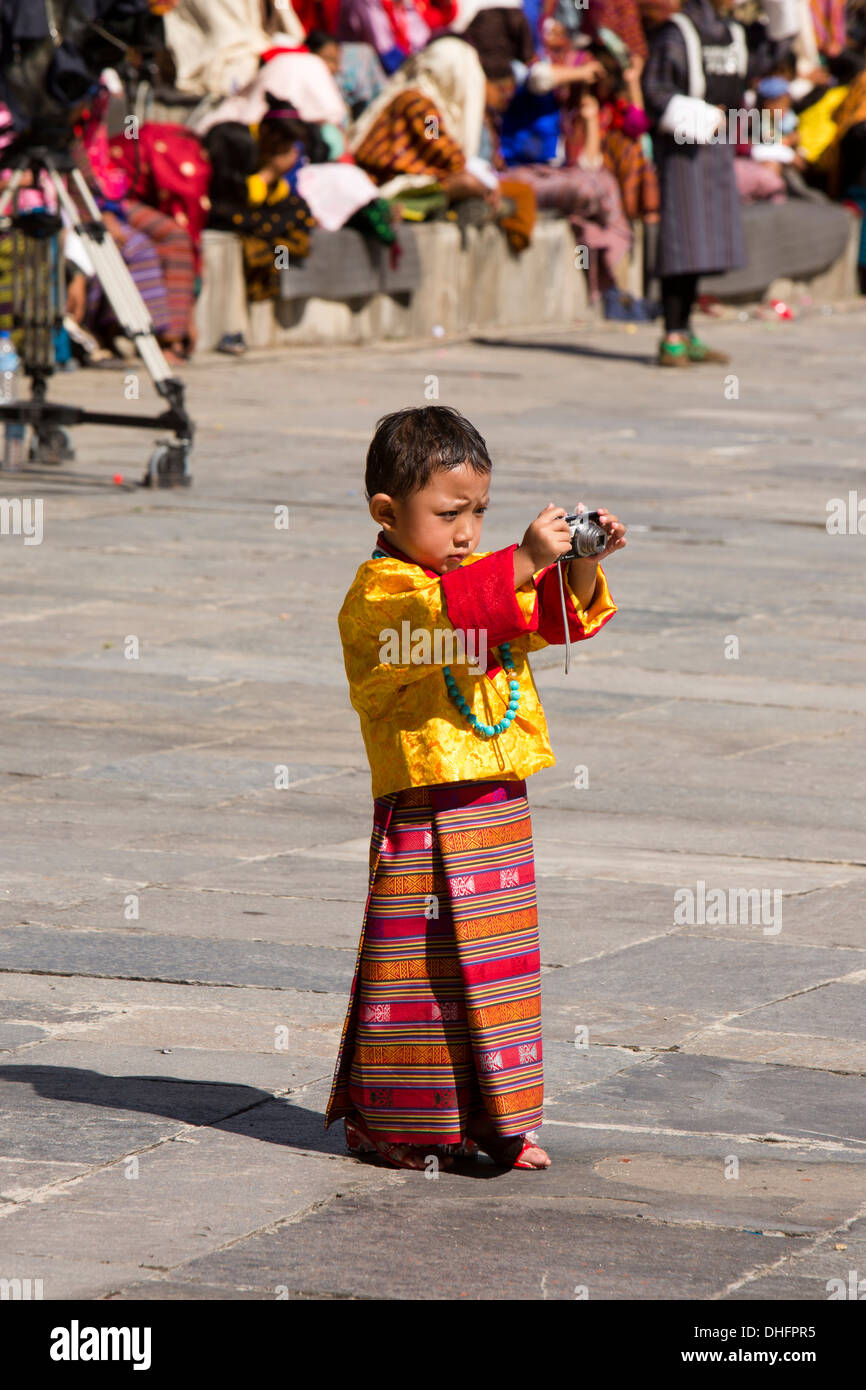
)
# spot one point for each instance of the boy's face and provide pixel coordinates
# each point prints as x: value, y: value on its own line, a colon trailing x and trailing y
x: 439, y: 525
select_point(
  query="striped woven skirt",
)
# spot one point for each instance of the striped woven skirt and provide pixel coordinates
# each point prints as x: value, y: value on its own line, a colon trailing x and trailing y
x: 444, y: 1014
x: 177, y: 260
x: 143, y: 264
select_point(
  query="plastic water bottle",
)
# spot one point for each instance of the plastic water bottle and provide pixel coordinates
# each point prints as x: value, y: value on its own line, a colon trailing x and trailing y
x: 10, y: 367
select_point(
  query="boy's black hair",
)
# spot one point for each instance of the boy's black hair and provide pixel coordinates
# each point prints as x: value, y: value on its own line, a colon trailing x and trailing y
x: 410, y: 445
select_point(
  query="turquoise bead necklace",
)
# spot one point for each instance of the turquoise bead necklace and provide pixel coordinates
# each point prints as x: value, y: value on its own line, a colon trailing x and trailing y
x: 487, y: 730
x: 483, y: 730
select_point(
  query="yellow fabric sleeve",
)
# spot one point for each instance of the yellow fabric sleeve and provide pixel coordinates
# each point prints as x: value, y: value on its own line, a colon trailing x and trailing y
x: 816, y: 129
x: 386, y: 613
x: 601, y: 607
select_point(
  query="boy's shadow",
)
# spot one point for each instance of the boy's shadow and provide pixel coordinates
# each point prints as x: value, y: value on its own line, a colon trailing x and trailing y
x: 236, y: 1109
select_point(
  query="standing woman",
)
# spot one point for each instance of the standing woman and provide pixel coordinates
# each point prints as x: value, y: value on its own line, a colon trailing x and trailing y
x: 695, y: 74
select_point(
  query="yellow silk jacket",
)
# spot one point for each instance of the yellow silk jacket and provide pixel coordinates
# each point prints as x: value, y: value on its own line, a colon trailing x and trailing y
x: 400, y: 624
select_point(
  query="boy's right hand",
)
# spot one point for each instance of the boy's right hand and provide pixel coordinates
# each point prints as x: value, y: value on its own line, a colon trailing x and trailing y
x: 547, y: 538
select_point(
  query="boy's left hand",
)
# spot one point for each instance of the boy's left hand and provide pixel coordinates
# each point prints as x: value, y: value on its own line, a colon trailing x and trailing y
x: 614, y: 528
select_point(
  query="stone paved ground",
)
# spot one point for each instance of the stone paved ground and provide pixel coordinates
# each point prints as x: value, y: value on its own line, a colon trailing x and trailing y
x: 161, y: 1138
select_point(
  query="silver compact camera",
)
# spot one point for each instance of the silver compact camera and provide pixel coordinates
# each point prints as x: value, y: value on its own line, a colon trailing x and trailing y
x: 587, y: 537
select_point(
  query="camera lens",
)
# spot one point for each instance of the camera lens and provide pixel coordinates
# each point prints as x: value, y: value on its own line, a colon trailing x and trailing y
x: 589, y: 540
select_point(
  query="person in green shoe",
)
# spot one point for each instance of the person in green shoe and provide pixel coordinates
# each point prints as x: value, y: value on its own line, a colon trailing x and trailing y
x: 694, y: 81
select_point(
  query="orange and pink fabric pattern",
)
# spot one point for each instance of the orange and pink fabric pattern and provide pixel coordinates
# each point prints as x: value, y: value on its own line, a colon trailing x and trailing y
x: 444, y: 1016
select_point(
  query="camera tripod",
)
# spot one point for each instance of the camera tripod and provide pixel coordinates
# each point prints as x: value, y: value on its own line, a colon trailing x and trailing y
x: 38, y: 301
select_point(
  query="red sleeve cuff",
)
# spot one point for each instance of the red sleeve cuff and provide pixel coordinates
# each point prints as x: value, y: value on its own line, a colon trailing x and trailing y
x: 482, y: 597
x: 550, y: 625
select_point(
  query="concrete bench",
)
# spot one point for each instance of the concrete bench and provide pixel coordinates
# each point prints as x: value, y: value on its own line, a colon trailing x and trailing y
x: 469, y: 281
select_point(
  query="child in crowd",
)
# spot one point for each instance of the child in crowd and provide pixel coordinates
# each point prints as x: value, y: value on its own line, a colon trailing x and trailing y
x: 768, y: 144
x: 441, y: 1048
x: 253, y: 191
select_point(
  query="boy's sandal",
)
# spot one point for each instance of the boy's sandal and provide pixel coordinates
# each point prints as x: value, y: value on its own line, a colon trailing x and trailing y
x: 522, y: 1151
x: 360, y: 1140
x: 355, y: 1140
x: 530, y: 1147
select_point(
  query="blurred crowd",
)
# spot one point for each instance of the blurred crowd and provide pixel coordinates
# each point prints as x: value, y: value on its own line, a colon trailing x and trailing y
x: 288, y: 115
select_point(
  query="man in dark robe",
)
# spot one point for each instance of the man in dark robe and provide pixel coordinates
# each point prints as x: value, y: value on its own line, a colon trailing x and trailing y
x: 694, y: 84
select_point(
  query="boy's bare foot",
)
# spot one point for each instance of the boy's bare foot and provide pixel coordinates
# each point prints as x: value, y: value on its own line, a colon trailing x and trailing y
x: 516, y: 1151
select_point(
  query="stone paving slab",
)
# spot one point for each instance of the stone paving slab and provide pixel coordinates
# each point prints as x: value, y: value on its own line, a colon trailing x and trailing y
x: 12, y: 1035
x: 156, y: 1219
x: 325, y: 875
x: 773, y: 1289
x: 590, y: 1140
x: 601, y: 857
x: 274, y: 1039
x: 808, y: 1272
x: 830, y: 1011
x: 713, y: 1094
x: 706, y: 975
x: 581, y: 918
x: 103, y: 997
x: 91, y: 1099
x: 250, y: 829
x: 203, y: 913
x: 175, y: 958
x: 790, y: 1049
x: 169, y: 1054
x: 567, y: 1066
x: 161, y: 1290
x: 763, y: 1194
x: 451, y: 1248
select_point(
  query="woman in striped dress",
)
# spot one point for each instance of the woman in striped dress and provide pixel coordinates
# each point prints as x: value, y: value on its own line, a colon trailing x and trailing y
x: 426, y: 126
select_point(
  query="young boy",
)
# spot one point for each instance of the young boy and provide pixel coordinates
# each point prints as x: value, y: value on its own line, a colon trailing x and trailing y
x: 441, y: 1047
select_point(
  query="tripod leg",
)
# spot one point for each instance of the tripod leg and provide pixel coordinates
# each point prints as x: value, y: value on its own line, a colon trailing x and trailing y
x: 121, y: 284
x: 169, y: 464
x: 113, y: 274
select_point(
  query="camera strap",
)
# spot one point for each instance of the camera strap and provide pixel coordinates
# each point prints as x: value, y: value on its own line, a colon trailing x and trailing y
x: 559, y: 565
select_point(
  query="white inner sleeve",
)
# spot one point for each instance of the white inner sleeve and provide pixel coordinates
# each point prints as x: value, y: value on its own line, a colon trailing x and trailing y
x: 773, y: 154
x: 482, y: 171
x: 690, y: 120
x: 540, y: 80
